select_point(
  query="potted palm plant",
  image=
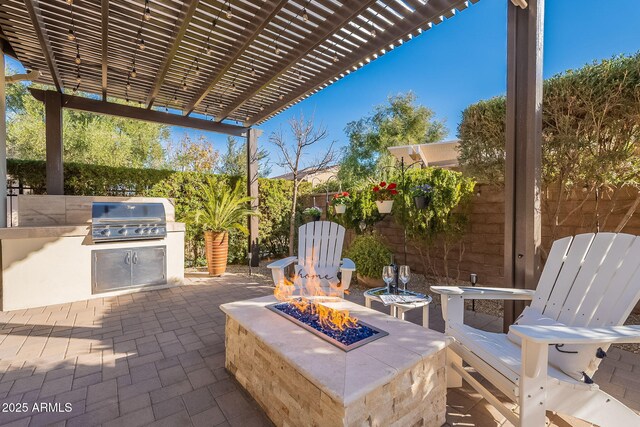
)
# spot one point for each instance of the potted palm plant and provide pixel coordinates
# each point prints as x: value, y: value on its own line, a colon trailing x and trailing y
x: 384, y: 194
x: 223, y: 210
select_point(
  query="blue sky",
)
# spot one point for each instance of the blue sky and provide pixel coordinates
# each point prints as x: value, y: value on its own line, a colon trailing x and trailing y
x: 461, y: 61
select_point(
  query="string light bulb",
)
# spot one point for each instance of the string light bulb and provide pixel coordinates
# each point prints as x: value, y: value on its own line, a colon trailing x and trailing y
x: 147, y: 14
x: 253, y: 72
x: 128, y: 86
x: 71, y: 35
x: 229, y: 11
x: 335, y: 58
x: 233, y: 86
x: 247, y: 118
x: 133, y: 72
x: 281, y: 97
x: 373, y: 31
x: 220, y: 104
x: 78, y: 79
x: 175, y: 99
x: 277, y: 49
x: 197, y: 70
x: 184, y: 84
x: 141, y: 43
x: 209, y: 50
x: 262, y: 108
x: 69, y: 2
x: 305, y: 15
x: 78, y: 59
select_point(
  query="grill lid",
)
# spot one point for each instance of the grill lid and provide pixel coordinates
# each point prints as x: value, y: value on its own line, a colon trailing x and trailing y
x: 111, y: 212
x: 127, y: 221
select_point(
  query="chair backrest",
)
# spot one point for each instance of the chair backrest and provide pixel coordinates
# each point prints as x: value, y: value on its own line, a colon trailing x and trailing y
x: 320, y: 247
x: 590, y: 280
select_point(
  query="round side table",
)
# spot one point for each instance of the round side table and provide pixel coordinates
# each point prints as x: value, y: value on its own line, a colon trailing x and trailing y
x: 399, y: 309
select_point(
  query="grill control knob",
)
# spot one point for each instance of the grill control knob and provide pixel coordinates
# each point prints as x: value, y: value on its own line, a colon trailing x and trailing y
x: 138, y: 230
x: 123, y: 231
x: 155, y: 230
x: 105, y: 232
x: 145, y: 231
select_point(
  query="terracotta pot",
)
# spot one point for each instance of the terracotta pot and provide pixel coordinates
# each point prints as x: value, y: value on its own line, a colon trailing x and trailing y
x: 370, y: 282
x: 216, y: 247
x: 340, y: 209
x: 384, y: 207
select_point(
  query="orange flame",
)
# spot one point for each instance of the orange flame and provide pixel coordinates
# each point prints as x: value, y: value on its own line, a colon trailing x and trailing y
x: 308, y: 296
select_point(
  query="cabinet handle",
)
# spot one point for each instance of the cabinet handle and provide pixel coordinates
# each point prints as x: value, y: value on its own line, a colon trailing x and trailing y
x: 135, y: 257
x: 127, y: 259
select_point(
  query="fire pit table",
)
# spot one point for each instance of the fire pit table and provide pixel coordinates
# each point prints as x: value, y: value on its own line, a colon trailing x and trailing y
x: 298, y: 378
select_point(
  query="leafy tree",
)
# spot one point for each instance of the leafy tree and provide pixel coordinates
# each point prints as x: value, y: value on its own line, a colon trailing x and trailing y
x: 234, y: 160
x: 88, y: 138
x: 590, y: 132
x: 192, y: 155
x: 399, y: 122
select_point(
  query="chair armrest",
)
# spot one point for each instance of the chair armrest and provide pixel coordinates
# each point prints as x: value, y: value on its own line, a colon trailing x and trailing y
x: 469, y: 292
x: 577, y: 335
x: 282, y: 263
x: 348, y: 265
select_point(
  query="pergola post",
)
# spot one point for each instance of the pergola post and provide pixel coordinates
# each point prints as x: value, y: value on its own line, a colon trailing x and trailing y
x: 3, y: 143
x: 252, y: 191
x: 523, y: 150
x: 53, y: 124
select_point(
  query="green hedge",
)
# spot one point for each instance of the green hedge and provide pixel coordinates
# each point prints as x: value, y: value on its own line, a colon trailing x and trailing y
x: 81, y: 179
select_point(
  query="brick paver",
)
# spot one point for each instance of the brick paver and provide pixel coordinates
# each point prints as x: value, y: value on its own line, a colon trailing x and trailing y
x: 157, y: 358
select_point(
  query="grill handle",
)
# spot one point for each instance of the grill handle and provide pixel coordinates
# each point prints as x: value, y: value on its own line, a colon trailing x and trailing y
x: 127, y: 258
x: 135, y: 257
x: 128, y: 220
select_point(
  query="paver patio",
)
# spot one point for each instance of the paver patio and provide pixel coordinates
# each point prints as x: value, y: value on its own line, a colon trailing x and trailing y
x: 157, y: 358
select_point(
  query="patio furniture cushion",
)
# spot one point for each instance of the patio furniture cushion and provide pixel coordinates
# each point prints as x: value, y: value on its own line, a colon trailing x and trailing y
x: 572, y: 359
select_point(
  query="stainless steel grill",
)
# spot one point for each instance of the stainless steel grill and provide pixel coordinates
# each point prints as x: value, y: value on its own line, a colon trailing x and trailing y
x: 127, y: 221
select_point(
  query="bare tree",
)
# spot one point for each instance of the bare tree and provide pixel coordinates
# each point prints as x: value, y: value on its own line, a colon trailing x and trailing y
x: 304, y: 135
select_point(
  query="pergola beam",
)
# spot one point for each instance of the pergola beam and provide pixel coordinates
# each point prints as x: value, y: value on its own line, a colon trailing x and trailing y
x: 105, y: 47
x: 255, y: 28
x: 182, y: 23
x: 525, y: 30
x: 346, y: 13
x: 121, y: 110
x: 416, y: 21
x: 38, y: 25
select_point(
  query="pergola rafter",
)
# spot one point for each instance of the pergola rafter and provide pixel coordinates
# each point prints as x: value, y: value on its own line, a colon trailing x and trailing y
x: 265, y: 54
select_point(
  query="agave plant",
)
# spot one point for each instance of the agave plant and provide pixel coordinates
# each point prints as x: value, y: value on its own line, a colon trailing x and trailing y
x: 223, y: 209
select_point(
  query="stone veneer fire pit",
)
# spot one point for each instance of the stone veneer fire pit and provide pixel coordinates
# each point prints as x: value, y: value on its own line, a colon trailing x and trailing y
x: 300, y: 379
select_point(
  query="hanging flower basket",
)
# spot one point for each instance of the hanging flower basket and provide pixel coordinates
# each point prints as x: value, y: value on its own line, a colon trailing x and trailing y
x: 314, y: 213
x: 384, y: 206
x: 340, y: 202
x: 384, y: 194
x: 422, y: 196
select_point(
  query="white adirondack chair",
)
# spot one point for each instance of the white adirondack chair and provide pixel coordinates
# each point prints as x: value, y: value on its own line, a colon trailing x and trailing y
x: 319, y: 252
x: 590, y: 283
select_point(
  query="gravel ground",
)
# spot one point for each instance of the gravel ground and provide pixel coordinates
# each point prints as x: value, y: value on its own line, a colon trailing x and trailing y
x: 420, y: 283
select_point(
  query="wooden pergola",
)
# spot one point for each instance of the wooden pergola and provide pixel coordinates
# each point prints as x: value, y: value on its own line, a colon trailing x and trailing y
x: 227, y: 65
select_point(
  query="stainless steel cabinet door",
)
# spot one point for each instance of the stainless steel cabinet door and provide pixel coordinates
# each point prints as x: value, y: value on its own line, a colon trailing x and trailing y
x: 111, y: 269
x: 148, y: 266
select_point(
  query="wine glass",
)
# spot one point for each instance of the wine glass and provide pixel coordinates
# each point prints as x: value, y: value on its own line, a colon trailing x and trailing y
x: 404, y: 276
x: 387, y: 275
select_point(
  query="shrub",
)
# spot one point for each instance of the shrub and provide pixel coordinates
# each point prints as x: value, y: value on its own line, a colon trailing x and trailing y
x: 370, y: 254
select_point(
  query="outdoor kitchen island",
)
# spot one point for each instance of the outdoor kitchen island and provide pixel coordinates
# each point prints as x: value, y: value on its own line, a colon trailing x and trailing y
x: 300, y: 379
